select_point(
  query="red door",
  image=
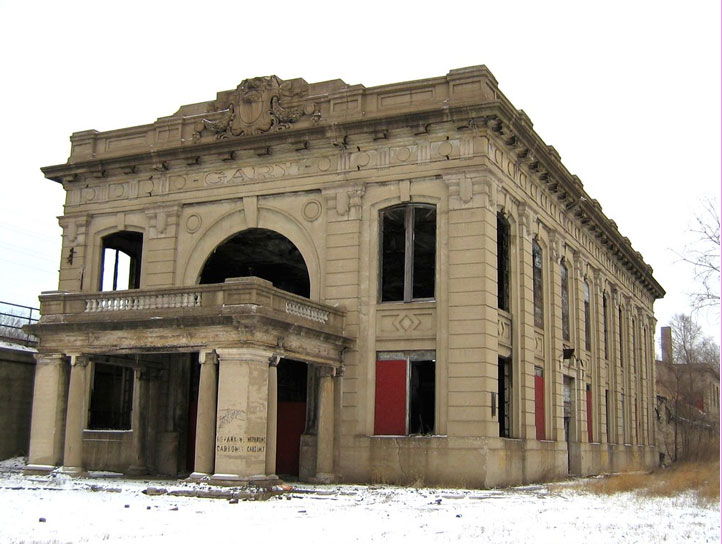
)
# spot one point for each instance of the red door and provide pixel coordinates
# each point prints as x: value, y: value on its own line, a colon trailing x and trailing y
x: 390, y: 410
x: 539, y: 403
x: 290, y: 427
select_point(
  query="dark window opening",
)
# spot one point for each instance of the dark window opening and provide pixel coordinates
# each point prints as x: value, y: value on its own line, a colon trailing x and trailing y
x: 504, y: 384
x: 565, y: 301
x: 405, y: 393
x: 587, y: 318
x: 590, y: 430
x: 538, y: 285
x: 621, y: 339
x: 422, y: 391
x: 120, y: 261
x: 610, y: 430
x: 634, y: 346
x: 502, y: 261
x: 262, y: 253
x: 605, y: 318
x: 111, y: 400
x: 408, y: 253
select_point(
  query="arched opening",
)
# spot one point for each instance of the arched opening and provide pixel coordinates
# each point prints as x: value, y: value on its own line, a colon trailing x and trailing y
x: 262, y: 253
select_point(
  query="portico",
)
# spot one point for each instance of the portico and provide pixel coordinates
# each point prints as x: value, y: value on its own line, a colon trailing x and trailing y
x: 239, y: 330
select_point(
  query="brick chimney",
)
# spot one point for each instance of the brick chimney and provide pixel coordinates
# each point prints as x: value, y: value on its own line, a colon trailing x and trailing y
x: 666, y: 344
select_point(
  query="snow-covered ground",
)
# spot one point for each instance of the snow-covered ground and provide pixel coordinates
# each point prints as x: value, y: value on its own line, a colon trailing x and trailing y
x: 57, y: 508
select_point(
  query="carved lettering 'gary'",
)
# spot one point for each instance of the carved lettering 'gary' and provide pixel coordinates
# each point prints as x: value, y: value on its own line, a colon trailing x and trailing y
x: 247, y: 173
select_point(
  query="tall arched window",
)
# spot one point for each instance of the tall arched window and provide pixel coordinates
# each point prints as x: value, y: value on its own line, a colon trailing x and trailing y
x: 621, y: 339
x: 605, y: 319
x: 565, y: 300
x: 587, y: 318
x: 537, y: 264
x: 502, y: 261
x: 408, y: 252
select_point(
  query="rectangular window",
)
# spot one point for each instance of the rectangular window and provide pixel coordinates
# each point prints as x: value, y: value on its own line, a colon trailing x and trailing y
x: 504, y: 384
x: 502, y: 261
x: 538, y: 285
x: 539, y: 403
x: 405, y: 393
x: 565, y: 301
x: 621, y: 339
x: 120, y: 261
x: 587, y: 318
x: 111, y: 400
x: 590, y: 433
x: 408, y: 253
x: 610, y: 430
x: 605, y: 318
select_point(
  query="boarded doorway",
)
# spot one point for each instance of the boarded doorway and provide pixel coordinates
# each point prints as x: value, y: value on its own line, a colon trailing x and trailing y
x: 292, y: 387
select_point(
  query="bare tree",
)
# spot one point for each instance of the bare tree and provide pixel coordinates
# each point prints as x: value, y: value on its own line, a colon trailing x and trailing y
x: 703, y: 253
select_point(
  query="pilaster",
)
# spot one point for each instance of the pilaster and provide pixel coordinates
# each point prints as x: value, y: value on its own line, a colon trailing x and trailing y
x: 77, y: 414
x: 241, y: 423
x: 206, y: 415
x: 48, y: 417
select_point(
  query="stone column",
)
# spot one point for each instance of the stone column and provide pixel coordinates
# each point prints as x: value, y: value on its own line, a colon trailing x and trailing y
x: 77, y: 414
x: 242, y: 414
x: 138, y: 424
x: 272, y: 418
x: 48, y: 418
x: 206, y: 416
x: 324, y: 436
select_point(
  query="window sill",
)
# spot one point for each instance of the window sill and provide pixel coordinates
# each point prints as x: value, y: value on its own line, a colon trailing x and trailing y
x: 409, y: 436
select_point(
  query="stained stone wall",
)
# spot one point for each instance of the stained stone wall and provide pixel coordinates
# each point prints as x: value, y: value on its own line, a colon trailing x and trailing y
x: 319, y: 163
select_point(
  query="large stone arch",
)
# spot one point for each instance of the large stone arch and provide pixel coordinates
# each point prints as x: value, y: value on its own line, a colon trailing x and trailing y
x: 268, y: 218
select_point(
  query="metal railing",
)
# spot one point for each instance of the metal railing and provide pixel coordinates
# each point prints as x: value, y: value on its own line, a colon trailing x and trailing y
x: 12, y: 319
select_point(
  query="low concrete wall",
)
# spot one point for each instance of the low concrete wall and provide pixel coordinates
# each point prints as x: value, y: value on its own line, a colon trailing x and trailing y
x: 479, y: 462
x: 17, y: 376
x: 108, y: 450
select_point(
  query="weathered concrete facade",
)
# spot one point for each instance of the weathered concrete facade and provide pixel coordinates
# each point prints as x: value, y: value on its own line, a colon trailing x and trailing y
x: 17, y: 371
x: 430, y: 266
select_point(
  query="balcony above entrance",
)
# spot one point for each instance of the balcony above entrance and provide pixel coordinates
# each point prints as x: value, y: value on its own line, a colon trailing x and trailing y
x: 241, y: 311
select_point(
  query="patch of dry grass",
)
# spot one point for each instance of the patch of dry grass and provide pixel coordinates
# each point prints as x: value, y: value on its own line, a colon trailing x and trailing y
x: 702, y: 478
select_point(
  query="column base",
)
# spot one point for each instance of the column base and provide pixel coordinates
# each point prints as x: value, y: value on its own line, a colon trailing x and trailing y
x: 72, y: 471
x: 34, y: 470
x: 323, y: 478
x: 199, y: 476
x: 260, y: 480
x: 137, y: 470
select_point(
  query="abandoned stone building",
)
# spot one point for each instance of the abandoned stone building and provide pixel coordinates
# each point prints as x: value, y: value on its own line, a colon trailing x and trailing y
x: 332, y: 282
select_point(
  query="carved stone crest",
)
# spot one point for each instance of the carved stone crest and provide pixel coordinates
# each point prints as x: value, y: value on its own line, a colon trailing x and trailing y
x: 258, y: 105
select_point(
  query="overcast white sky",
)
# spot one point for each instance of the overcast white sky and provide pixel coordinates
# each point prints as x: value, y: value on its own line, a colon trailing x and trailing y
x: 627, y: 92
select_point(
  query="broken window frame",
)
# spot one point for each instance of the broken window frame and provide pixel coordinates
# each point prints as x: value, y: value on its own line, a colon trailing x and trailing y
x: 566, y: 334
x: 503, y: 262
x: 419, y: 414
x: 122, y: 386
x: 505, y: 391
x: 587, y: 317
x: 538, y: 283
x: 605, y: 320
x: 128, y: 246
x: 412, y: 289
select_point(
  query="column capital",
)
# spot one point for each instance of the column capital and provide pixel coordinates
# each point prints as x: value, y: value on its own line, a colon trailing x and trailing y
x: 210, y: 357
x: 78, y: 359
x: 49, y: 359
x: 249, y: 354
x: 325, y: 371
x: 273, y: 360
